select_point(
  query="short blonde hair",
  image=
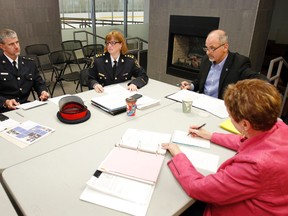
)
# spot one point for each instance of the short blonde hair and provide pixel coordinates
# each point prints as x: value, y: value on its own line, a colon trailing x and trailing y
x: 255, y: 100
x: 119, y: 38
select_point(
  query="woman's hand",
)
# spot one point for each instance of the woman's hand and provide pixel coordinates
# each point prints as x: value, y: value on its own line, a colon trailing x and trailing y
x: 172, y: 148
x: 195, y: 132
x: 98, y: 88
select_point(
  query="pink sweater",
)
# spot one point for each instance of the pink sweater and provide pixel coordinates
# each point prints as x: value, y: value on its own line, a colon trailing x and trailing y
x: 253, y: 182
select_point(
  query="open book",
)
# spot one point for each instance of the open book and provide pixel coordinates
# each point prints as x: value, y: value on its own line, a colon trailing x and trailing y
x: 212, y: 105
x: 126, y: 179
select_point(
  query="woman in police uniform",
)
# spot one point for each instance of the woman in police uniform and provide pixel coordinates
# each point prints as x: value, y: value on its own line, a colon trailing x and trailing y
x: 114, y: 66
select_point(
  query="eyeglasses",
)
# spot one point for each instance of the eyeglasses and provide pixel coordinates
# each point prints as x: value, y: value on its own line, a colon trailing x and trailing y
x: 212, y: 49
x: 112, y: 43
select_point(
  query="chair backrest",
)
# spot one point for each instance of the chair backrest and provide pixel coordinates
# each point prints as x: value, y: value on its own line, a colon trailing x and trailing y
x: 91, y: 50
x: 71, y: 45
x: 59, y: 57
x: 37, y: 49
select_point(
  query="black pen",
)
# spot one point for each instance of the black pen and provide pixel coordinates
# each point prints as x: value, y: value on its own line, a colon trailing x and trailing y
x: 198, y: 128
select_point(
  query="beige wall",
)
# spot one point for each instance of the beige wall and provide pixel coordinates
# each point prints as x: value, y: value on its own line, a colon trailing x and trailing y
x: 35, y: 21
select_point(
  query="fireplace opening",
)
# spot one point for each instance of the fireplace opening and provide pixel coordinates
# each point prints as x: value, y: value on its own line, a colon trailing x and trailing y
x: 187, y: 35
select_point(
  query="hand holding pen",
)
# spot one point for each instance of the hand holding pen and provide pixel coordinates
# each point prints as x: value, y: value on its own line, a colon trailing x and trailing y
x: 184, y: 85
x: 200, y: 132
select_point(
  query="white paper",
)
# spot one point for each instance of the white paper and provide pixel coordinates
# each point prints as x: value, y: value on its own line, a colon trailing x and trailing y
x: 121, y: 187
x: 26, y: 133
x: 31, y: 105
x: 200, y: 159
x: 210, y: 104
x: 146, y: 102
x: 181, y: 137
x: 8, y: 123
x: 56, y: 100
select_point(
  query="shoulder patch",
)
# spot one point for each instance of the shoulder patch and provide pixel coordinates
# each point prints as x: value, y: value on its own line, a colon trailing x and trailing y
x: 99, y: 55
x: 27, y: 58
x: 130, y: 56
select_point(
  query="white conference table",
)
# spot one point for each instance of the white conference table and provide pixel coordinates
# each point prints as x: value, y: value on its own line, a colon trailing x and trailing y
x: 65, y: 134
x: 6, y: 207
x: 52, y: 183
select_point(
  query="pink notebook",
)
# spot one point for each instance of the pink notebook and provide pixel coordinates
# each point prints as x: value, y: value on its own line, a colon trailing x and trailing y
x: 133, y: 164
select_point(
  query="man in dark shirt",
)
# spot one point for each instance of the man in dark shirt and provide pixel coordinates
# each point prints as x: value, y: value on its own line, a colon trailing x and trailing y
x: 220, y: 67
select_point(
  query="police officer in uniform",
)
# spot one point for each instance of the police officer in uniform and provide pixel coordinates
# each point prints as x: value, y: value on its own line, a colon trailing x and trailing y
x: 18, y: 75
x: 114, y: 66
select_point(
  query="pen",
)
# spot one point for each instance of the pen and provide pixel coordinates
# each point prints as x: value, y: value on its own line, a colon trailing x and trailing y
x: 19, y: 114
x: 198, y: 128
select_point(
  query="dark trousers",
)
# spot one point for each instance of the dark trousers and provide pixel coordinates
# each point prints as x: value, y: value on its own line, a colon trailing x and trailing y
x: 197, y: 209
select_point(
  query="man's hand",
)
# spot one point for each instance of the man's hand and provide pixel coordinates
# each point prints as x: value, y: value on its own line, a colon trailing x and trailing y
x: 11, y: 104
x: 185, y: 85
x: 44, y: 96
x: 132, y: 87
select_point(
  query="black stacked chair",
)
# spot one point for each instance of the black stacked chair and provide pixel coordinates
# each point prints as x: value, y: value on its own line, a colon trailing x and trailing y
x: 75, y: 48
x: 59, y: 60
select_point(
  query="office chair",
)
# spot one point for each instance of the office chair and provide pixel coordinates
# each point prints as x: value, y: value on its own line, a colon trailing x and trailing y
x: 75, y: 48
x: 59, y: 60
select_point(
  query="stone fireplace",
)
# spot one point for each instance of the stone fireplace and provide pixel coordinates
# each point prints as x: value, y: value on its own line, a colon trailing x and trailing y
x: 187, y: 35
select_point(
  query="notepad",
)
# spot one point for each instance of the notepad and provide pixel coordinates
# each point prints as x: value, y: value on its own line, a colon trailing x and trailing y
x: 228, y: 125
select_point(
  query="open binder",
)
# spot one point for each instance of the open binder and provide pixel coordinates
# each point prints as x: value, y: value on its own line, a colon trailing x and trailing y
x: 126, y: 179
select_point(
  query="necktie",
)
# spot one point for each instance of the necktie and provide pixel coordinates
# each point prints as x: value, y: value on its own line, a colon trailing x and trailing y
x: 14, y: 65
x: 114, y: 68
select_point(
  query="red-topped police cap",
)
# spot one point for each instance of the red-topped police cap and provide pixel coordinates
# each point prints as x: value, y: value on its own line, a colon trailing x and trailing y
x: 72, y: 110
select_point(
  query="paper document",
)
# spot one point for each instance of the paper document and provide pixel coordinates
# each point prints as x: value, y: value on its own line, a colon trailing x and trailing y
x: 146, y: 102
x: 212, y: 105
x: 133, y: 191
x: 26, y: 133
x: 56, y: 100
x: 200, y: 159
x: 30, y: 105
x: 8, y: 123
x: 181, y: 137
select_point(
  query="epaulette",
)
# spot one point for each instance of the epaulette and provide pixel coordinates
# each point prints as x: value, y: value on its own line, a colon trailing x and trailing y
x: 100, y: 55
x: 27, y: 58
x: 130, y: 56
